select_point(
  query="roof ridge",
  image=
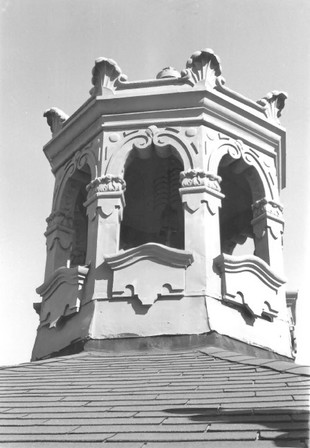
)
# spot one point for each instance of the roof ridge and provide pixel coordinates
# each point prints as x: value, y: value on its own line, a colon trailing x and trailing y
x: 273, y: 364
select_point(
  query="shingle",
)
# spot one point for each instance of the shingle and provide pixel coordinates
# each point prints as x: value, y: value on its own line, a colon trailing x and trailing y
x: 298, y: 435
x: 167, y: 437
x: 224, y: 444
x: 138, y: 428
x: 188, y: 398
x: 54, y: 437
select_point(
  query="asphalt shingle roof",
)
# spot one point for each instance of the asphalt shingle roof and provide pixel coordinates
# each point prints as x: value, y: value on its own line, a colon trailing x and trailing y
x: 200, y: 398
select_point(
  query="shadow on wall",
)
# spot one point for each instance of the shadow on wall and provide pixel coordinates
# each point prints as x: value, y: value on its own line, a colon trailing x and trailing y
x: 285, y: 427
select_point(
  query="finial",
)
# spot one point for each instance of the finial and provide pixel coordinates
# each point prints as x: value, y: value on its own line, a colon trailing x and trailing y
x: 55, y: 119
x: 204, y: 66
x: 273, y: 104
x: 106, y: 74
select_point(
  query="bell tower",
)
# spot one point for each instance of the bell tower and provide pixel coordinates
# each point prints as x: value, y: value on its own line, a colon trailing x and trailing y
x: 166, y: 226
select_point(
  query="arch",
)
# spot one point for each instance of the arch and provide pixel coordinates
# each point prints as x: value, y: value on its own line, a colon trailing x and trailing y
x: 259, y: 174
x: 143, y: 142
x: 82, y: 160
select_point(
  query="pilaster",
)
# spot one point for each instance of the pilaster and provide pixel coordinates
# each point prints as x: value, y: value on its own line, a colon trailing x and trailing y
x: 268, y: 228
x: 201, y: 198
x: 105, y: 204
x: 59, y: 236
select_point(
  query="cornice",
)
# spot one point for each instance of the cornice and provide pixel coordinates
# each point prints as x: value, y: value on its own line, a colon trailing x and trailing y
x: 191, y: 106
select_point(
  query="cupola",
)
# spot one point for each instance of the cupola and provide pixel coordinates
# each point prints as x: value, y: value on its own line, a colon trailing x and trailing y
x: 166, y: 226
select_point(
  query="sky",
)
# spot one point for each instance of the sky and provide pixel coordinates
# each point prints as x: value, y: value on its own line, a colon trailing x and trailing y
x: 47, y: 51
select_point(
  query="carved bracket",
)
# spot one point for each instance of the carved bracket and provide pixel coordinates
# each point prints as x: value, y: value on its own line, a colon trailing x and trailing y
x: 149, y: 272
x: 203, y: 66
x: 55, y: 119
x: 106, y: 75
x: 273, y: 103
x: 248, y: 283
x: 61, y: 294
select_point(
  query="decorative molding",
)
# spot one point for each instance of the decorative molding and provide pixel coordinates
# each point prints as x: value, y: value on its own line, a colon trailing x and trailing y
x: 198, y: 177
x: 203, y: 66
x: 270, y: 208
x: 152, y: 251
x: 249, y: 283
x: 109, y: 182
x: 273, y: 104
x: 142, y: 143
x: 191, y: 132
x: 168, y: 72
x: 61, y: 294
x: 193, y: 197
x: 262, y: 179
x: 114, y: 137
x: 55, y: 119
x: 149, y: 272
x: 106, y: 75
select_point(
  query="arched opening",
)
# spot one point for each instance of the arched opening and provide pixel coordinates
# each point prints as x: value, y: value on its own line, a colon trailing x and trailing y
x: 153, y: 211
x: 72, y: 202
x: 236, y: 212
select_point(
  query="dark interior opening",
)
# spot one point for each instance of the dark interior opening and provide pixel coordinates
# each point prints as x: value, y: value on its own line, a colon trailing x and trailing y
x: 153, y: 211
x: 236, y: 212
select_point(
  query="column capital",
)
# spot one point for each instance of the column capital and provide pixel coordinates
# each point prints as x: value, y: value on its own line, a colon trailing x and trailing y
x: 109, y: 182
x: 198, y: 177
x: 105, y: 194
